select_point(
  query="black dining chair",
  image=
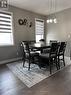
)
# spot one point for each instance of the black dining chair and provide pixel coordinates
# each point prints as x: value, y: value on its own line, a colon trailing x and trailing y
x: 32, y: 41
x: 28, y: 55
x: 51, y: 57
x: 48, y: 49
x: 45, y: 50
x: 61, y: 51
x: 53, y: 41
x: 42, y: 40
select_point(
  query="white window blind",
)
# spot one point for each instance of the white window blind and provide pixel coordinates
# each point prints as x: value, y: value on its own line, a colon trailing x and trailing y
x: 6, y: 33
x: 39, y: 29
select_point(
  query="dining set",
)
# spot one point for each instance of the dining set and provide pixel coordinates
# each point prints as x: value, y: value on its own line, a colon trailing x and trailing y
x: 43, y: 54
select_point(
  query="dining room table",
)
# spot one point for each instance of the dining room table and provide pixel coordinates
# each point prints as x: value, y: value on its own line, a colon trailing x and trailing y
x: 40, y: 46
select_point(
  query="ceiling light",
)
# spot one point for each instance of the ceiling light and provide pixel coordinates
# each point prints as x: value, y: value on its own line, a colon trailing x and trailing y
x: 51, y: 20
x: 52, y: 5
x: 48, y: 21
x: 55, y: 20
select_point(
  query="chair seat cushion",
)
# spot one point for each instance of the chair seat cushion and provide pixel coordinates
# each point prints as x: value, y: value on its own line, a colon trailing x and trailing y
x: 32, y: 54
x: 44, y: 55
x: 47, y: 55
x: 46, y: 50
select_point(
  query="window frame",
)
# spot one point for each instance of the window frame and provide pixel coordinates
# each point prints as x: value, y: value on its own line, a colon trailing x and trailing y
x: 12, y: 44
x: 37, y: 19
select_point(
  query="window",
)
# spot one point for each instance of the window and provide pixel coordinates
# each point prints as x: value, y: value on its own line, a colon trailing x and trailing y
x: 6, y: 31
x: 39, y: 29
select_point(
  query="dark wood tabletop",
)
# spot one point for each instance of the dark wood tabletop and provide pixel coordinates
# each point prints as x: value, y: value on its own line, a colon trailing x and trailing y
x: 39, y: 46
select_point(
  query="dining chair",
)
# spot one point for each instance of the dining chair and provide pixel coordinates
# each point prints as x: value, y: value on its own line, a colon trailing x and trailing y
x: 45, y: 50
x: 28, y: 55
x: 53, y: 41
x: 42, y: 40
x: 51, y: 57
x: 61, y: 51
x: 32, y: 41
x: 48, y: 49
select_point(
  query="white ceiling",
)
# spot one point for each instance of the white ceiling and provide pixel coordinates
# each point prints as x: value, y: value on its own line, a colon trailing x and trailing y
x: 42, y: 6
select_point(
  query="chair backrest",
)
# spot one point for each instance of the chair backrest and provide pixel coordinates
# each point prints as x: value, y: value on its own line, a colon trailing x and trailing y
x: 62, y: 47
x: 26, y: 49
x: 42, y: 40
x: 54, y: 48
x: 53, y: 41
x: 32, y: 41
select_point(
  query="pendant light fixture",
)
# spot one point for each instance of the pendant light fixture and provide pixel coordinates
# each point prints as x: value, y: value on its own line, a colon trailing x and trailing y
x: 52, y: 8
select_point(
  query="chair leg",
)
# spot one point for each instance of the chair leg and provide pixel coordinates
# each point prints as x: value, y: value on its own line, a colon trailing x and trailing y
x: 39, y: 62
x: 23, y: 62
x: 63, y: 60
x: 50, y: 66
x: 29, y: 65
x: 58, y: 61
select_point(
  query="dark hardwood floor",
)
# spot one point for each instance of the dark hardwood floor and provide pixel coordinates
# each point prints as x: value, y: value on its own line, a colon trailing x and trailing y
x: 58, y: 84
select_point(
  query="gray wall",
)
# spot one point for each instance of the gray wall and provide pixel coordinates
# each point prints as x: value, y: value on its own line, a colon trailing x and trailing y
x: 60, y: 31
x: 20, y: 33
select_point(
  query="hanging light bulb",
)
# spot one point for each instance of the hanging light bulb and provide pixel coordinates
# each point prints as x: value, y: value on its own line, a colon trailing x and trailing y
x: 52, y: 5
x: 51, y: 20
x: 55, y: 20
x: 48, y: 21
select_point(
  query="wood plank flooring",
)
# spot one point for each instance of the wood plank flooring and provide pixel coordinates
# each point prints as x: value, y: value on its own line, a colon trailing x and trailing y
x: 58, y: 84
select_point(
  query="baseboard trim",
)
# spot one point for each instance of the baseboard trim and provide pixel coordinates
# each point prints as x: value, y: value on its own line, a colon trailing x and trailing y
x: 10, y: 60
